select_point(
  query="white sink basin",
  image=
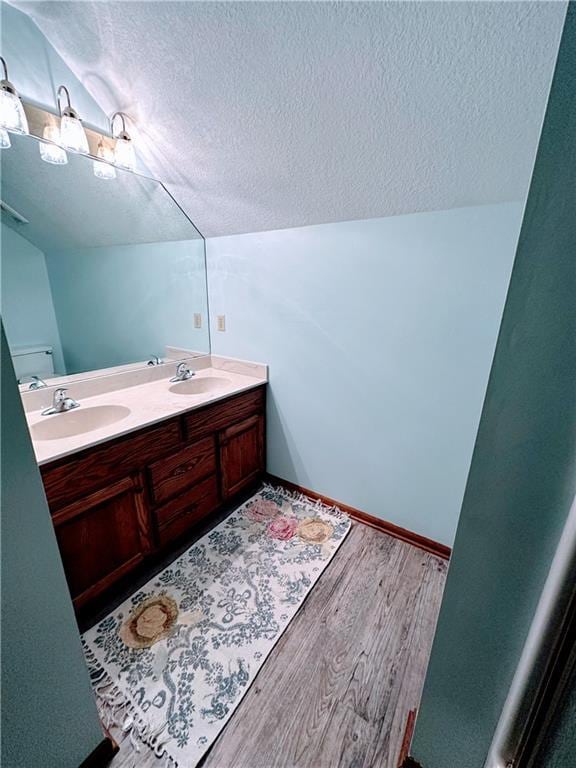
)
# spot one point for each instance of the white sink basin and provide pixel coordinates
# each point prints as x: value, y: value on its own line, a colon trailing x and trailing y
x: 78, y: 421
x: 199, y: 386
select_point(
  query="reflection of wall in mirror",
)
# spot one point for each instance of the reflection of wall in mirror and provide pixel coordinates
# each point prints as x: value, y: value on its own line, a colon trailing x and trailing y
x: 27, y: 305
x: 121, y: 304
x: 97, y: 308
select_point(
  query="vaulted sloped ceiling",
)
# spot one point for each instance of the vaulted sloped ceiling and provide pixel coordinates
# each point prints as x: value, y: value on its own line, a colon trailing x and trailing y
x: 269, y: 115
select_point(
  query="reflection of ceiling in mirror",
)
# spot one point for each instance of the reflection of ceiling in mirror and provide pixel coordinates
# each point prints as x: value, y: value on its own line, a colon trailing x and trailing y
x: 68, y: 207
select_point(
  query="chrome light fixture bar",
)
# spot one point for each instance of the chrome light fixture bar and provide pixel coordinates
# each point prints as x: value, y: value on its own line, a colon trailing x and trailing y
x: 72, y: 134
x: 124, y: 155
x: 12, y: 115
x: 106, y: 151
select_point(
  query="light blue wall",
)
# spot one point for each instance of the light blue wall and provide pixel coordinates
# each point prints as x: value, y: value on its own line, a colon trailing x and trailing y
x: 26, y: 300
x: 523, y: 475
x: 379, y: 335
x: 124, y: 303
x: 49, y: 715
x: 36, y: 69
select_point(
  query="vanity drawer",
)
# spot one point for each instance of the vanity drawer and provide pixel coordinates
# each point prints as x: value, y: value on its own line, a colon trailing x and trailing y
x: 173, y: 474
x: 222, y: 414
x: 180, y: 514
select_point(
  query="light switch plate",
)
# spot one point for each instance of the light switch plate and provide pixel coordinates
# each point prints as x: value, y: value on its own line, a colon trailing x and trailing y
x: 221, y: 322
x: 197, y: 320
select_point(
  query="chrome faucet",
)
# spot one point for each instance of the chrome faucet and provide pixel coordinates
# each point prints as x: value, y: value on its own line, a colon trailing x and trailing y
x: 37, y: 382
x: 154, y: 360
x: 60, y: 403
x: 182, y: 373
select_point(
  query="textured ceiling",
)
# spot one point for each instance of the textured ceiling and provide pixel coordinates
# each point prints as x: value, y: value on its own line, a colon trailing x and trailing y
x: 269, y: 115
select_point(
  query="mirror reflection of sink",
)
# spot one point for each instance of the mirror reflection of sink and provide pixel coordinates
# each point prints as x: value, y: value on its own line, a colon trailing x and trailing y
x: 78, y: 421
x: 199, y: 386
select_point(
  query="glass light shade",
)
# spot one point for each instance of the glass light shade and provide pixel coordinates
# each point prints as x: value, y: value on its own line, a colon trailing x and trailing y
x: 73, y: 135
x: 52, y: 153
x: 124, y: 155
x: 103, y: 170
x: 12, y: 115
x: 4, y: 139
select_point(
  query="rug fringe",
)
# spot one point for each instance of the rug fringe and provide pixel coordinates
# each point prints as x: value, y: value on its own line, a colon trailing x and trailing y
x: 318, y: 504
x: 115, y: 709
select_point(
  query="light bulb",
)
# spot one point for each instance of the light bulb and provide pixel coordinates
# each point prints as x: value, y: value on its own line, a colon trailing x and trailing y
x: 124, y: 155
x: 103, y: 170
x: 72, y: 134
x: 12, y: 115
x: 52, y: 153
x: 4, y: 139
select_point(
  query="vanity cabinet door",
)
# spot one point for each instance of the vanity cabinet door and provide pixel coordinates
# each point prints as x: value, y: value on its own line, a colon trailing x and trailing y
x: 102, y: 537
x: 242, y: 458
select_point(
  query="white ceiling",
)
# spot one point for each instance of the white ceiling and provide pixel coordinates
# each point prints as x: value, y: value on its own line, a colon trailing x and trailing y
x: 269, y: 115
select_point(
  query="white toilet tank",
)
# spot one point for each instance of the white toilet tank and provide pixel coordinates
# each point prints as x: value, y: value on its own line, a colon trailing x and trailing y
x: 33, y: 361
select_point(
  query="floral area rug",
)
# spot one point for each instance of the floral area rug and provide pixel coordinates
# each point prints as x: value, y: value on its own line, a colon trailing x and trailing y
x: 173, y: 662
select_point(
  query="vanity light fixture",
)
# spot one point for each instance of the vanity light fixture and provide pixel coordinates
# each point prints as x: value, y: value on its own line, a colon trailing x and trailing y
x: 50, y: 150
x: 12, y: 115
x: 124, y: 155
x: 4, y: 139
x: 102, y: 168
x: 72, y: 133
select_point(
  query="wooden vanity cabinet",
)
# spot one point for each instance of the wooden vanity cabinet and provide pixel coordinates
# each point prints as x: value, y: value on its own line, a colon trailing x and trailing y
x: 115, y: 505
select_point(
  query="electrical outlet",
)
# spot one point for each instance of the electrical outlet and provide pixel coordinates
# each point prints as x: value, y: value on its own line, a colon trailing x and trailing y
x: 221, y: 322
x: 197, y: 320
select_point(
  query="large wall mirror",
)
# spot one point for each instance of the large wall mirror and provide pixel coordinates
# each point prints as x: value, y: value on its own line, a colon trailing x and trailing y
x: 97, y: 274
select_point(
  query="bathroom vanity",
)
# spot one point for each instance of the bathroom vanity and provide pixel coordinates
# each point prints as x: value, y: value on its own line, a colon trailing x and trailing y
x: 123, y: 500
x: 106, y: 309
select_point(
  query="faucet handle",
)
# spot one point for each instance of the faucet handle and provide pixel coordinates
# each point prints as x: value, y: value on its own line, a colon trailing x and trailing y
x: 182, y: 372
x: 37, y: 383
x: 60, y: 403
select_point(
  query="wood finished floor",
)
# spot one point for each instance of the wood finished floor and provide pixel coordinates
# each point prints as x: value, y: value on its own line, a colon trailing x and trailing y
x: 338, y: 686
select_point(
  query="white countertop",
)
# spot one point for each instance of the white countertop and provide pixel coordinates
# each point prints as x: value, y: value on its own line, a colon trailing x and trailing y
x: 149, y: 403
